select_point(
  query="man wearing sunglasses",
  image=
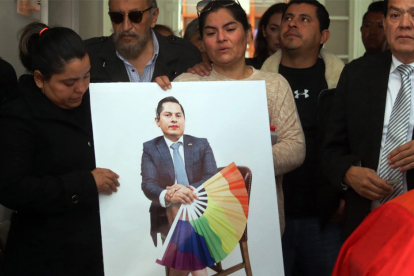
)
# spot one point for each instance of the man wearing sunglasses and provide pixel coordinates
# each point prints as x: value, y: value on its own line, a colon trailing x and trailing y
x: 134, y: 52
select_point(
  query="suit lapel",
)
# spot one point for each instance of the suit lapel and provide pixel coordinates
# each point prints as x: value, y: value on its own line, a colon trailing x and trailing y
x: 113, y: 66
x: 166, y: 157
x: 378, y: 80
x: 188, y: 156
x: 164, y: 58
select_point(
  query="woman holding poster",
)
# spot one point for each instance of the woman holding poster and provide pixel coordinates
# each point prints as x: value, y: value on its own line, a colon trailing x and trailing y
x: 226, y: 32
x: 47, y: 161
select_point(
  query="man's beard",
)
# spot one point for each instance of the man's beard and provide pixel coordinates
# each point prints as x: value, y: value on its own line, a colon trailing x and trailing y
x: 131, y: 51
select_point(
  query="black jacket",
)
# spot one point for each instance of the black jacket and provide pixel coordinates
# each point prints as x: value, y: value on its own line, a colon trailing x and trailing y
x: 176, y: 55
x: 46, y: 159
x: 8, y: 82
x: 355, y: 129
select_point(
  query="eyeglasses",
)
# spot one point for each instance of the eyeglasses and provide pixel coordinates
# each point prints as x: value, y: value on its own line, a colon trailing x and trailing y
x: 134, y: 16
x: 202, y: 6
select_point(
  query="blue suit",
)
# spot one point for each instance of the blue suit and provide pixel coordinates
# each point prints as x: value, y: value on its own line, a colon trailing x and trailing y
x: 157, y: 170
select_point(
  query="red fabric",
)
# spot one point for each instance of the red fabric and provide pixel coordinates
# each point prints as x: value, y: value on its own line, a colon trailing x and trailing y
x: 383, y: 244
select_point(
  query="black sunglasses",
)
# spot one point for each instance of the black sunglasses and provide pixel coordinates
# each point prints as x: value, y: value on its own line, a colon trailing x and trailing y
x: 202, y: 5
x: 134, y: 16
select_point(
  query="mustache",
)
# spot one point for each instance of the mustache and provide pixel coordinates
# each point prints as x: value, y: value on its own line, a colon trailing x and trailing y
x: 292, y: 31
x: 126, y: 33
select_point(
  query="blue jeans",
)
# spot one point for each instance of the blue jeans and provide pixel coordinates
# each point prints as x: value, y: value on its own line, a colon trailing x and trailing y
x: 310, y: 249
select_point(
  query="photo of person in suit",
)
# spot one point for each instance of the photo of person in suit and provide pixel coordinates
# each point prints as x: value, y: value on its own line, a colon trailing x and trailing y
x: 172, y: 166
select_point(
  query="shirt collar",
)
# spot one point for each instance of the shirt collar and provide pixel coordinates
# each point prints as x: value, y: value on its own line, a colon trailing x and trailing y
x: 169, y: 142
x: 395, y: 63
x: 156, y: 48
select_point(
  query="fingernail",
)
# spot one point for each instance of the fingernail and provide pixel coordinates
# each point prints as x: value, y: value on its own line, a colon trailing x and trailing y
x: 169, y: 86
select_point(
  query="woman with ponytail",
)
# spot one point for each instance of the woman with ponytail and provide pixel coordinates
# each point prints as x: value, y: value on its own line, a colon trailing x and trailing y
x: 47, y: 163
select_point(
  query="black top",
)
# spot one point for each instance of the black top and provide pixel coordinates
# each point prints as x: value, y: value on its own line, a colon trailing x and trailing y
x: 302, y: 185
x: 255, y: 62
x: 46, y: 159
x: 8, y: 81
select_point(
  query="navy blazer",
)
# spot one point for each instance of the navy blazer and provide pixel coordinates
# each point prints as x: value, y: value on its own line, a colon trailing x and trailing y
x: 157, y: 170
x: 355, y: 129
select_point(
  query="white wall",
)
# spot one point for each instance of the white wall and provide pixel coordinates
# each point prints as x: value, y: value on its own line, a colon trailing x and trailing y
x: 91, y: 18
x: 10, y: 23
x: 84, y: 16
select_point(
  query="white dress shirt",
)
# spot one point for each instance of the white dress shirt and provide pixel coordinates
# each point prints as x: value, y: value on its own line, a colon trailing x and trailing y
x: 181, y: 151
x: 394, y: 85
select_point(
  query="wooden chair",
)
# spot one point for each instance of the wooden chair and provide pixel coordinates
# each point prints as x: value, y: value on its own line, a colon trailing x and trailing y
x: 247, y: 176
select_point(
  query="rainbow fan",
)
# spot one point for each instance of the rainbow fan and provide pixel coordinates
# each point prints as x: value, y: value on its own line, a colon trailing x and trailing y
x: 206, y: 231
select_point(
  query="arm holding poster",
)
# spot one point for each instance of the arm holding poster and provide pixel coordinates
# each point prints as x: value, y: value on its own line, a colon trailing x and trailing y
x: 289, y: 150
x: 228, y: 62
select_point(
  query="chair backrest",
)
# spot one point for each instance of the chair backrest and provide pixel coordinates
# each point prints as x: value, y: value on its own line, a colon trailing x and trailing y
x: 247, y: 176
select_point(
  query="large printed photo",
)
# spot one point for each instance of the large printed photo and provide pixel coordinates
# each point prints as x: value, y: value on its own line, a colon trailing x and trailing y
x: 187, y: 161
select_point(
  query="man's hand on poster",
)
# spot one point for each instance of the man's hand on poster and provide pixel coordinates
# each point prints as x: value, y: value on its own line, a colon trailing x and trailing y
x: 366, y: 183
x: 402, y: 157
x: 106, y: 180
x: 163, y: 82
x: 171, y: 191
x: 201, y: 69
x: 179, y: 193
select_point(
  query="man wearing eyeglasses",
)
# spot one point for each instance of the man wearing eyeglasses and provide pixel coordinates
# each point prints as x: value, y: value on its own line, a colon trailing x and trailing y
x: 134, y: 52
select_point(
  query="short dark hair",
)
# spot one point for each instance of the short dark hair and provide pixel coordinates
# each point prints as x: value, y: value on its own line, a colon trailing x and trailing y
x: 160, y: 108
x: 235, y: 10
x: 49, y: 51
x: 385, y: 7
x: 321, y: 12
x: 159, y: 28
x: 261, y: 50
x: 374, y: 7
x: 191, y: 29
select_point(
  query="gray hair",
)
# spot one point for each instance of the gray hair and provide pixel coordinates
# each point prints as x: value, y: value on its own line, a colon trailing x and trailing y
x: 191, y: 29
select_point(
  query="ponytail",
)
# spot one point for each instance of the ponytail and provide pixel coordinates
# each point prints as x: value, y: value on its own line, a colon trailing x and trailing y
x: 48, y: 49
